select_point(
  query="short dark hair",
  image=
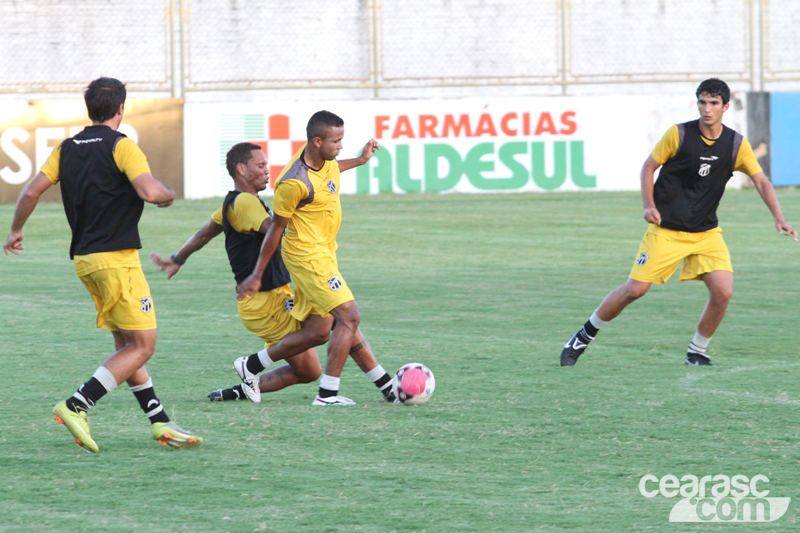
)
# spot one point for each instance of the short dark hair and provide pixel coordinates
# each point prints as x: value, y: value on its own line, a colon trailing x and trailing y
x: 239, y: 153
x: 715, y: 87
x: 103, y: 97
x: 319, y: 123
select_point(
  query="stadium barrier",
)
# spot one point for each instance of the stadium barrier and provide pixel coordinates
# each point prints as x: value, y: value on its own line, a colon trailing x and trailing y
x: 29, y: 130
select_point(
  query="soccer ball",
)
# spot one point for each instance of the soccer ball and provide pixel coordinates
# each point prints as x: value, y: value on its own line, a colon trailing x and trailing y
x: 413, y: 384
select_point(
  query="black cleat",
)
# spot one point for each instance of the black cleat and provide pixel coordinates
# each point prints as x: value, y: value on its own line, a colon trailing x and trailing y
x: 698, y: 359
x: 390, y: 398
x: 572, y: 350
x: 215, y: 396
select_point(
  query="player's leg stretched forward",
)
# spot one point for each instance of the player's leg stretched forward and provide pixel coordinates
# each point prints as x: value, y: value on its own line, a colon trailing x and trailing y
x: 316, y: 330
x: 611, y: 306
x: 134, y: 349
x: 301, y: 368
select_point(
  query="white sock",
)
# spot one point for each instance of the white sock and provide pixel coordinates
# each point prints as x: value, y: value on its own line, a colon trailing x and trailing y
x: 329, y: 382
x: 699, y: 344
x: 596, y: 322
x: 146, y: 385
x: 265, y: 359
x: 376, y: 373
x: 106, y: 378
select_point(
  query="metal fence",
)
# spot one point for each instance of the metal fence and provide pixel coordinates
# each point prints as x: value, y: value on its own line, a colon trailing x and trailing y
x: 183, y: 46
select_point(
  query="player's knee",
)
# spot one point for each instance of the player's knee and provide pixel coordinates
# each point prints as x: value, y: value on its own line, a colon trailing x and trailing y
x: 143, y: 344
x: 636, y: 292
x: 722, y: 294
x: 350, y: 320
x: 318, y: 336
x: 146, y: 350
x: 632, y: 292
x: 309, y: 373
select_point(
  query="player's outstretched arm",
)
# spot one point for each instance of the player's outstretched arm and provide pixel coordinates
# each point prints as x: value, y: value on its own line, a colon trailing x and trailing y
x: 272, y: 239
x: 26, y: 203
x: 767, y: 192
x: 171, y: 265
x: 366, y: 153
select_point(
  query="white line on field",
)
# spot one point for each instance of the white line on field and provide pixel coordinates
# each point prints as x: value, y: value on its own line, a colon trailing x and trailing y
x: 690, y: 380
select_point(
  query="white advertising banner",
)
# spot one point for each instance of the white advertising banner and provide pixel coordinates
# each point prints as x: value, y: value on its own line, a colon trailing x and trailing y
x: 466, y: 145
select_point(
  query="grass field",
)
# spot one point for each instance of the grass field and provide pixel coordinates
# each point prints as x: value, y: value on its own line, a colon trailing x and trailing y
x: 485, y: 290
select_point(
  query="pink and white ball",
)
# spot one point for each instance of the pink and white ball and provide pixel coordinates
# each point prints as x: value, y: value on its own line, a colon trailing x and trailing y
x: 413, y: 384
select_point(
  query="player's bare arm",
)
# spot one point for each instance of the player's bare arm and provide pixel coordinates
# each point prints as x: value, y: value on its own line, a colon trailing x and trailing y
x: 171, y: 265
x: 370, y: 148
x: 272, y: 239
x: 153, y: 191
x: 767, y: 192
x: 26, y: 203
x: 647, y: 177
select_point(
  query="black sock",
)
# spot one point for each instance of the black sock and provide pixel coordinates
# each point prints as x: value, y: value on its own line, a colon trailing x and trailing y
x: 254, y: 364
x: 327, y: 393
x: 87, y: 395
x: 587, y: 332
x: 150, y: 404
x: 234, y: 393
x: 384, y: 383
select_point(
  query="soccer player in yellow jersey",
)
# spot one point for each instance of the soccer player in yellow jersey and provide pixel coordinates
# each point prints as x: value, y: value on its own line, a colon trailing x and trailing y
x: 697, y: 159
x: 307, y: 207
x: 105, y: 180
x: 268, y: 314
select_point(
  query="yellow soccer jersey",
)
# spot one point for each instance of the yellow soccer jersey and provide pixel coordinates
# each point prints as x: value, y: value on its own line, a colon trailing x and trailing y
x: 667, y: 147
x: 310, y: 198
x: 245, y: 214
x: 129, y: 158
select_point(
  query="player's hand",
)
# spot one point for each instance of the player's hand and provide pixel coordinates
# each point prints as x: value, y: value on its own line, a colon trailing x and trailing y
x: 14, y: 243
x: 652, y: 215
x: 248, y: 287
x: 165, y: 264
x: 786, y: 229
x: 165, y: 204
x: 370, y: 148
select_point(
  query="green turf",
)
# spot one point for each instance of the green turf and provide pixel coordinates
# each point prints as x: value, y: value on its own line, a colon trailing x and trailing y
x: 484, y: 289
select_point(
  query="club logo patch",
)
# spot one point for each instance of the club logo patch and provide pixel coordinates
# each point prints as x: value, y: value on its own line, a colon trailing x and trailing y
x: 332, y: 186
x: 147, y: 304
x: 642, y: 259
x: 335, y: 283
x: 288, y: 305
x: 705, y: 168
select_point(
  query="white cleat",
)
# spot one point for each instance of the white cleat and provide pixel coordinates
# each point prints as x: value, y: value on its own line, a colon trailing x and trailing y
x: 333, y: 400
x: 249, y: 380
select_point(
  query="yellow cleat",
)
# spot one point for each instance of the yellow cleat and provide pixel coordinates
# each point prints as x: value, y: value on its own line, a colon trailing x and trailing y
x: 77, y: 424
x: 169, y: 434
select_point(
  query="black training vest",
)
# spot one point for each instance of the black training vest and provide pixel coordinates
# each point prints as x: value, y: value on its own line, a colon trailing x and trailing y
x: 102, y: 207
x: 690, y: 185
x: 243, y: 251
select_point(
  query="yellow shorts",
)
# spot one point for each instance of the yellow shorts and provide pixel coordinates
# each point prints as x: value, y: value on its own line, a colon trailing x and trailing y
x: 267, y: 315
x: 318, y: 285
x: 122, y: 298
x: 662, y: 251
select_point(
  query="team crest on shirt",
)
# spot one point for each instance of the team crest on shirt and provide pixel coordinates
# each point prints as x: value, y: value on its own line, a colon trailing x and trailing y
x: 642, y: 259
x: 288, y: 305
x: 335, y: 283
x: 332, y: 186
x: 705, y: 168
x: 147, y: 304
